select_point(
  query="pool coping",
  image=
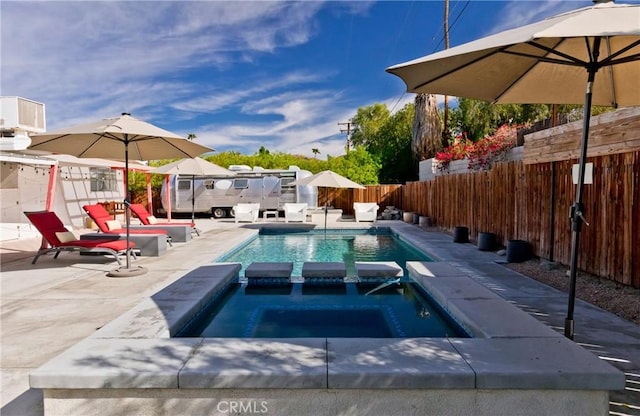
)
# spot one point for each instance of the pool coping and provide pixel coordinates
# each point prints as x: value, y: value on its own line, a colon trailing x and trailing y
x: 510, y: 348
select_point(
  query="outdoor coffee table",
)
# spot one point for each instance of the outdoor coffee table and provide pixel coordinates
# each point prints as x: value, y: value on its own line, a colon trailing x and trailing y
x: 267, y: 214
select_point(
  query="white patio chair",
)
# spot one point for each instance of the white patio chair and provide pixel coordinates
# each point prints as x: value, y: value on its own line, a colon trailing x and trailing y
x: 246, y: 212
x: 365, y: 211
x: 295, y: 212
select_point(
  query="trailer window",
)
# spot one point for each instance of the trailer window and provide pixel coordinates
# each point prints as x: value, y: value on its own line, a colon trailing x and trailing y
x: 209, y: 184
x: 240, y: 183
x: 184, y: 185
x: 103, y: 179
x: 287, y: 181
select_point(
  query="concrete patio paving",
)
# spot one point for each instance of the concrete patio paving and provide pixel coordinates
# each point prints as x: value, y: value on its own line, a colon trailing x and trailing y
x: 49, y: 306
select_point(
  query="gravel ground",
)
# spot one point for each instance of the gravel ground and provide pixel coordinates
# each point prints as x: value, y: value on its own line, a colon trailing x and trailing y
x: 621, y: 300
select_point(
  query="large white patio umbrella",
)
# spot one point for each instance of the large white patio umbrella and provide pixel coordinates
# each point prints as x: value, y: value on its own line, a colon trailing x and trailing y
x: 554, y: 61
x: 122, y: 138
x: 193, y: 167
x: 327, y: 179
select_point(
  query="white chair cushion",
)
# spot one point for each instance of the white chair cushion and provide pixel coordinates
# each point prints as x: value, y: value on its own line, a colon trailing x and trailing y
x: 152, y: 219
x: 66, y: 236
x: 113, y: 225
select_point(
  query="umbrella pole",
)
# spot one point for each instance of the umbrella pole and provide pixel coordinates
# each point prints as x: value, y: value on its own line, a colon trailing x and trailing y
x: 326, y: 208
x: 127, y: 208
x: 193, y: 198
x: 577, y: 209
x: 127, y: 271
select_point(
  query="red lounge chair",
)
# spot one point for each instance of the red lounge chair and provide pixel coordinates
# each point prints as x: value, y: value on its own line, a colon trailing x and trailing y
x: 53, y: 231
x: 147, y: 219
x: 106, y: 223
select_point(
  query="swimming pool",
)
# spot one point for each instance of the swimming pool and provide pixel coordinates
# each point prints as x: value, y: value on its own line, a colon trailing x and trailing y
x: 348, y: 246
x: 342, y: 311
x: 299, y: 310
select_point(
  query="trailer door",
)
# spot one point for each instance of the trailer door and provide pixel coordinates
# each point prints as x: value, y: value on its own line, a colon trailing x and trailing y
x: 183, y: 196
x: 288, y: 191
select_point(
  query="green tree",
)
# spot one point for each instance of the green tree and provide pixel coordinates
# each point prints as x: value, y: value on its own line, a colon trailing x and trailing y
x: 387, y: 138
x: 393, y: 148
x: 357, y: 165
x: 480, y: 118
x: 367, y: 123
x: 315, y: 152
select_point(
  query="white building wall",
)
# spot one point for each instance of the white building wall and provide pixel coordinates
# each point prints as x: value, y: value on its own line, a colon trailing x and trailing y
x: 23, y: 187
x: 428, y: 169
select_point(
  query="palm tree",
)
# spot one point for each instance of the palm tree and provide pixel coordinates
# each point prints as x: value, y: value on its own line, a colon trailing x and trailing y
x: 428, y: 135
x: 315, y: 152
x: 191, y: 136
x: 427, y: 131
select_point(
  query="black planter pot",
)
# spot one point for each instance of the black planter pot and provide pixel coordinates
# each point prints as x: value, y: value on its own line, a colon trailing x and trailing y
x: 461, y: 235
x: 487, y: 241
x: 518, y: 251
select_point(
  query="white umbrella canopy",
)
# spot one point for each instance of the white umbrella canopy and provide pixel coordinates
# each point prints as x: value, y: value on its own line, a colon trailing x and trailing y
x: 328, y: 179
x: 544, y: 62
x: 193, y: 167
x: 588, y: 56
x: 121, y: 137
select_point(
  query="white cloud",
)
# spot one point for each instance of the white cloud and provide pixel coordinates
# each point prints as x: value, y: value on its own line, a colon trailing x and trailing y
x: 86, y: 57
x: 520, y: 13
x: 89, y: 60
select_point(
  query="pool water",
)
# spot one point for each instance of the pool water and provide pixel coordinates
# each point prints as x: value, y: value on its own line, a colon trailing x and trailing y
x: 348, y: 246
x: 299, y: 310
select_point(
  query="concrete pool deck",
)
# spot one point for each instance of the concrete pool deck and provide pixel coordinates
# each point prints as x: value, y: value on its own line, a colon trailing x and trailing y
x: 44, y: 313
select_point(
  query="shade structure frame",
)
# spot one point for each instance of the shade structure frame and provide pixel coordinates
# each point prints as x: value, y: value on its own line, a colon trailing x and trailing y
x: 193, y: 167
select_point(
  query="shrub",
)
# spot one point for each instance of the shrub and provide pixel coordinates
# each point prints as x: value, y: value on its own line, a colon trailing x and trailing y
x: 493, y: 148
x: 481, y: 154
x: 457, y: 151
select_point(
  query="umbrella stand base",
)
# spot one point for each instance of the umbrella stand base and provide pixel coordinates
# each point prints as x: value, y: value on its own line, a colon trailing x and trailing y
x: 127, y: 271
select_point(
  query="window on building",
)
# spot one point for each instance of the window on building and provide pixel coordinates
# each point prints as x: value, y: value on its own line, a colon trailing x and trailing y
x: 103, y: 179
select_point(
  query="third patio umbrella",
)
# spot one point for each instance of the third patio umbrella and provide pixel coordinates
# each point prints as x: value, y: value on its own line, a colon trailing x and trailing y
x: 586, y: 56
x: 122, y: 137
x: 194, y: 167
x: 327, y: 179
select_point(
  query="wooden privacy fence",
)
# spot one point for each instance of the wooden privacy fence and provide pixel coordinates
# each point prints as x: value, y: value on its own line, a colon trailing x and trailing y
x: 532, y: 203
x: 384, y: 195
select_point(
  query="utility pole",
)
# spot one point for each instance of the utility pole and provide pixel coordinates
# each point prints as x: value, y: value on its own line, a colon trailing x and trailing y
x: 348, y: 131
x: 445, y: 130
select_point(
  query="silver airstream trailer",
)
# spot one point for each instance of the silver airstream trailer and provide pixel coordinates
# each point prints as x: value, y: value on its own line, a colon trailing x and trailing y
x: 271, y: 188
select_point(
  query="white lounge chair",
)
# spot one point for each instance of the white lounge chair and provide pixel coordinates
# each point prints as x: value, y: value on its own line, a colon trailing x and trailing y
x: 295, y: 212
x: 246, y: 212
x: 365, y: 211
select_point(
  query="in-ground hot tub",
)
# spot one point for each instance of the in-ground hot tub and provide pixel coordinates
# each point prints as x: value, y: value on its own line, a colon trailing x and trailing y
x: 512, y: 365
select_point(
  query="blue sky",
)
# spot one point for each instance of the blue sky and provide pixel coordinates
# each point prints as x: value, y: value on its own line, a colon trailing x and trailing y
x: 238, y: 74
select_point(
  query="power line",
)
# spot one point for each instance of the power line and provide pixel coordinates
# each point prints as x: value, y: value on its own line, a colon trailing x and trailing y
x: 451, y: 26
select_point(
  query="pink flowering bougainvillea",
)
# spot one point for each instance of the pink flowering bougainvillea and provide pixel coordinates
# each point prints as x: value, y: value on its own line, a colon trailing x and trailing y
x: 457, y: 151
x: 481, y: 154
